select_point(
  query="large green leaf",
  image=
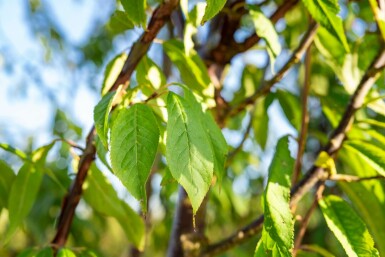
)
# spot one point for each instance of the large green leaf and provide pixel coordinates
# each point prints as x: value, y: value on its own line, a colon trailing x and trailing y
x: 348, y: 227
x: 22, y: 196
x: 134, y: 143
x: 102, y: 197
x: 7, y: 177
x: 326, y: 13
x: 112, y: 71
x: 265, y: 29
x: 218, y: 142
x: 213, y: 7
x: 278, y: 225
x: 367, y: 196
x: 119, y: 22
x: 101, y: 114
x: 188, y: 149
x: 372, y: 154
x: 136, y: 11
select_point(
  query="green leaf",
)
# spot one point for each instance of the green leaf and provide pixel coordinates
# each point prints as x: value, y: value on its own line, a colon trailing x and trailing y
x: 28, y: 253
x: 217, y: 140
x: 193, y: 20
x: 101, y: 114
x: 278, y: 224
x: 148, y: 73
x: 102, y: 197
x: 46, y: 252
x: 136, y: 11
x: 290, y: 106
x: 367, y: 195
x: 101, y: 152
x: 22, y: 196
x: 7, y: 177
x: 326, y: 13
x: 134, y: 143
x: 192, y: 69
x: 119, y: 22
x: 65, y: 252
x: 87, y: 253
x: 260, y: 122
x: 348, y: 227
x: 213, y: 8
x: 265, y: 29
x: 372, y: 154
x: 113, y: 69
x: 188, y: 149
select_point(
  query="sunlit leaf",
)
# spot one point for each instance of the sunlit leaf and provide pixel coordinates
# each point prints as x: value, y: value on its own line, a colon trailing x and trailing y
x: 134, y: 142
x: 14, y: 151
x: 278, y: 224
x: 348, y: 227
x: 65, y: 252
x: 188, y: 149
x: 213, y: 7
x: 150, y: 74
x: 119, y: 22
x: 326, y: 13
x: 112, y: 72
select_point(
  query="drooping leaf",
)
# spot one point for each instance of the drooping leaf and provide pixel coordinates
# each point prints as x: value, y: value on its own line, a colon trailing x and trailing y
x: 136, y: 11
x: 134, y: 142
x: 65, y: 252
x: 218, y: 142
x: 112, y: 72
x: 188, y: 150
x: 46, y: 252
x: 265, y: 29
x: 372, y: 154
x: 278, y: 224
x: 102, y: 197
x: 101, y: 114
x: 348, y: 227
x: 22, y: 196
x: 7, y: 177
x: 260, y: 123
x: 192, y: 70
x: 326, y: 13
x: 213, y: 8
x: 119, y: 22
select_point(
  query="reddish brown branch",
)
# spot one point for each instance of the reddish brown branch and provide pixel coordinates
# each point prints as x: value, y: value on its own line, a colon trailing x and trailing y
x: 315, y: 174
x: 160, y: 16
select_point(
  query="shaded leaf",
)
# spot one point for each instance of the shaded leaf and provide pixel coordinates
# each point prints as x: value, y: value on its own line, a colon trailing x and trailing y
x: 290, y: 106
x: 102, y: 197
x: 46, y: 252
x: 101, y: 152
x: 134, y: 142
x: 260, y: 122
x: 101, y: 115
x: 7, y: 177
x: 188, y: 149
x: 348, y: 227
x: 119, y: 22
x: 136, y: 11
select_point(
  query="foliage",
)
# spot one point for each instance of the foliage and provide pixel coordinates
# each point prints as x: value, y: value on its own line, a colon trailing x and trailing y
x: 185, y: 130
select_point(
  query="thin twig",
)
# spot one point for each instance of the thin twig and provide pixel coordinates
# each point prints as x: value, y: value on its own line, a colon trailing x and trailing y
x: 315, y: 174
x: 304, y: 119
x: 71, y: 144
x: 351, y: 178
x: 160, y: 16
x: 267, y: 85
x: 306, y: 219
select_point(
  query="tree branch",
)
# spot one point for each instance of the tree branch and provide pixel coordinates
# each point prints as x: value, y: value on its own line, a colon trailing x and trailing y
x: 160, y: 16
x: 315, y: 174
x: 267, y: 85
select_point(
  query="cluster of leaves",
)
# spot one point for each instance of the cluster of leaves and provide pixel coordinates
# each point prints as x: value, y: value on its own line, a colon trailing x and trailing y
x: 160, y: 127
